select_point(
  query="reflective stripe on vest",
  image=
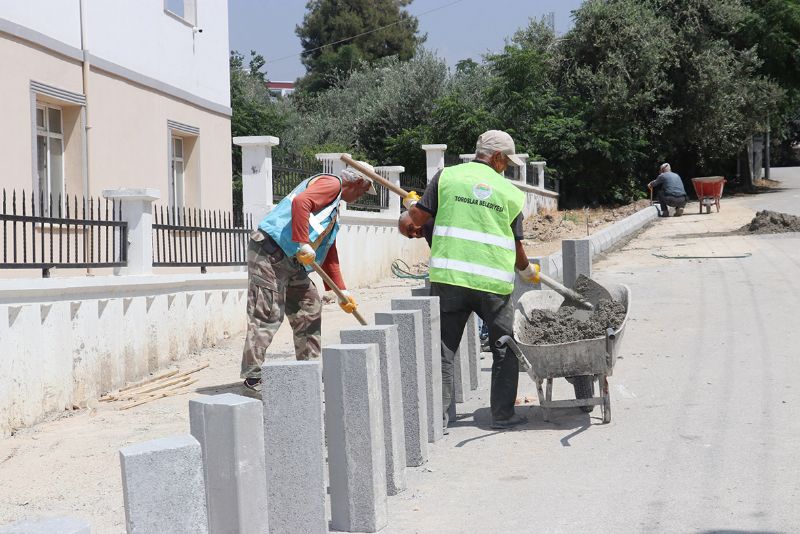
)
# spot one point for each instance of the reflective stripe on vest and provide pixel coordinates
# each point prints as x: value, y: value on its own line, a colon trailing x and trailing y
x: 278, y: 223
x: 473, y: 245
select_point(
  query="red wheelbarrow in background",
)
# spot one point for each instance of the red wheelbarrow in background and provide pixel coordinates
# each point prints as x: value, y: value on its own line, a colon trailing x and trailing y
x: 708, y: 190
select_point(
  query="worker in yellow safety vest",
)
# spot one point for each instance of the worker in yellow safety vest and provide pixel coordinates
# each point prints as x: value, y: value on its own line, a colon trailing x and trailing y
x: 475, y: 249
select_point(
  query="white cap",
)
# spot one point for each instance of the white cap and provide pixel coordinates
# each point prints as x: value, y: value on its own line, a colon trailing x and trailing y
x: 359, y: 174
x: 498, y: 141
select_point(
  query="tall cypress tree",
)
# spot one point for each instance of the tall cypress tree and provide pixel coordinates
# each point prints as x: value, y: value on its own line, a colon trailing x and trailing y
x: 329, y: 21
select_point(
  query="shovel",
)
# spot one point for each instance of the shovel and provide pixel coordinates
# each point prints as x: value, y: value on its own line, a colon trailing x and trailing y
x: 327, y: 279
x: 571, y: 297
x: 591, y: 293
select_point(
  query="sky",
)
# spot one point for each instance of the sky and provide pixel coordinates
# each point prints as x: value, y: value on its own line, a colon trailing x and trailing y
x: 460, y: 29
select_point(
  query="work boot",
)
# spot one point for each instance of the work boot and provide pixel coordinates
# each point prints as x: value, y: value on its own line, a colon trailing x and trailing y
x: 253, y: 383
x: 514, y: 420
x: 678, y: 212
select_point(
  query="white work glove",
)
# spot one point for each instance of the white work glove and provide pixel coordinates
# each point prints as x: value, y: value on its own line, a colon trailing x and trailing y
x: 531, y: 274
x: 411, y: 199
x: 349, y: 304
x: 306, y: 255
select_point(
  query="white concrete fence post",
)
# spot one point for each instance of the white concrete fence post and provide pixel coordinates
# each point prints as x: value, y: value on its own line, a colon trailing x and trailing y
x: 137, y: 210
x: 523, y: 171
x: 392, y: 173
x: 434, y: 159
x: 539, y: 165
x: 466, y: 158
x: 257, y: 197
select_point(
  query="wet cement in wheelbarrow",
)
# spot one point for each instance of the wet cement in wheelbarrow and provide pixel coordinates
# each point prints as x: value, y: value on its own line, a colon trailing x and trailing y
x: 547, y: 327
x: 772, y: 222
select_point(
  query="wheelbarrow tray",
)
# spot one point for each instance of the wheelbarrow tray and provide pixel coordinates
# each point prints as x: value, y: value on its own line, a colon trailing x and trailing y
x: 709, y: 191
x: 593, y: 358
x: 574, y: 358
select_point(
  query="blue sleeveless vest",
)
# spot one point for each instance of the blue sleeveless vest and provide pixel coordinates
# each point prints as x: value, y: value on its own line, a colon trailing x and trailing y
x: 278, y: 223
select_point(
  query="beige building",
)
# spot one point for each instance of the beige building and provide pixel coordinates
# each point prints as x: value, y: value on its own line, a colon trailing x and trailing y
x: 100, y: 94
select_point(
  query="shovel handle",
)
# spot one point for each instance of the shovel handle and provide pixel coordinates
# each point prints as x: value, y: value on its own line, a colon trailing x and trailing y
x: 566, y: 292
x: 394, y: 188
x: 327, y: 279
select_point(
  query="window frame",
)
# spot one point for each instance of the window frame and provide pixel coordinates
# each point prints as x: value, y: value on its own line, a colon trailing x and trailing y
x: 189, y: 19
x: 44, y: 131
x: 174, y: 201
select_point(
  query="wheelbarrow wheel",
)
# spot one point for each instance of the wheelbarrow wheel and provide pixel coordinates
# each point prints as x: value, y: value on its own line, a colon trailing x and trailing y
x: 584, y: 389
x: 708, y: 208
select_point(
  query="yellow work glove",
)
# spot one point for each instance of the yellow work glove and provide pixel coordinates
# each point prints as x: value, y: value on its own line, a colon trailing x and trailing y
x: 306, y: 255
x: 349, y: 305
x: 531, y: 274
x: 411, y: 199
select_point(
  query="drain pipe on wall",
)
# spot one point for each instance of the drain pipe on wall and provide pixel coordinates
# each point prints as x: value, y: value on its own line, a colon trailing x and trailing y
x: 86, y: 69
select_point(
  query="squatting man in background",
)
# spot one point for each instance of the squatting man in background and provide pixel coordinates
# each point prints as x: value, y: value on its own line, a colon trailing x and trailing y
x: 669, y: 191
x: 300, y: 230
x: 475, y: 247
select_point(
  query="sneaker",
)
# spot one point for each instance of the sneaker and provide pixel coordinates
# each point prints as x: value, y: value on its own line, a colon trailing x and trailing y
x: 253, y: 383
x: 678, y: 212
x: 514, y: 420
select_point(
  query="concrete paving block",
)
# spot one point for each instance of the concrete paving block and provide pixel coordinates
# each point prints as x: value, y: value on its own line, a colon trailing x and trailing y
x: 432, y: 330
x: 576, y: 255
x: 162, y: 486
x: 385, y: 337
x: 354, y: 425
x: 291, y: 392
x: 413, y: 381
x: 50, y: 525
x: 473, y: 335
x: 230, y: 429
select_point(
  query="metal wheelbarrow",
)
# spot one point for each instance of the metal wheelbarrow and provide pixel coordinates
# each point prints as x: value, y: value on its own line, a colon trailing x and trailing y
x: 587, y: 359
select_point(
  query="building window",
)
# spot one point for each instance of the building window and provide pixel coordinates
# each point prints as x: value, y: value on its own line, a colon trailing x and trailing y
x: 49, y: 155
x: 177, y: 178
x: 186, y: 10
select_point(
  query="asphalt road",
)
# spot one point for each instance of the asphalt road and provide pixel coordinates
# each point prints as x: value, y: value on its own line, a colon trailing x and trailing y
x: 705, y: 435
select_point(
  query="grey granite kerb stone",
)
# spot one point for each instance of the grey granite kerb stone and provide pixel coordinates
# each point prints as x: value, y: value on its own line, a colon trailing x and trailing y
x: 432, y: 338
x: 412, y: 377
x: 385, y: 337
x: 354, y: 425
x: 162, y: 486
x: 230, y: 429
x: 291, y: 393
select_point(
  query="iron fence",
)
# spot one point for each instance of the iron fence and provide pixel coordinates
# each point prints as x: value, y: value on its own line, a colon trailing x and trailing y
x: 372, y: 202
x: 199, y: 238
x: 288, y: 172
x: 67, y: 233
x: 413, y: 183
x: 452, y: 159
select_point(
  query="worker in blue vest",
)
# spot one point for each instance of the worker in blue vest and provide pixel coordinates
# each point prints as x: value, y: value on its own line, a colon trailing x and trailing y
x: 300, y: 230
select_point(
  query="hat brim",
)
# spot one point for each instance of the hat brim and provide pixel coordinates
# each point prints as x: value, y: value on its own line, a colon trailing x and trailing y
x: 516, y: 160
x: 372, y: 190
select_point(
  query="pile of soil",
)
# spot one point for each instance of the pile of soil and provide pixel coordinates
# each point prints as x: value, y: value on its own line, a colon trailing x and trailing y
x: 772, y: 222
x: 560, y: 326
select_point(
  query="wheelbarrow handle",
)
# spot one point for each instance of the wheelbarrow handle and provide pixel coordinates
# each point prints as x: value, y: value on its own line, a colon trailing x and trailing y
x: 508, y: 341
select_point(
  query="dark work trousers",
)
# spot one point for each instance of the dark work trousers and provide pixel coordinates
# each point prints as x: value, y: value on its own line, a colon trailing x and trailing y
x: 669, y: 200
x: 456, y: 304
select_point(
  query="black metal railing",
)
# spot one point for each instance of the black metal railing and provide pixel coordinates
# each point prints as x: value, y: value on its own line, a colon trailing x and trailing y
x: 413, y: 183
x: 199, y: 238
x: 452, y: 159
x: 46, y: 232
x: 288, y: 172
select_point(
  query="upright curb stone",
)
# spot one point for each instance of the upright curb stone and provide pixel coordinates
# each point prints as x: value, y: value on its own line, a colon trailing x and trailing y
x: 473, y: 335
x: 162, y: 486
x: 354, y: 424
x: 431, y: 319
x: 294, y: 442
x: 412, y: 377
x: 230, y: 429
x: 50, y: 525
x: 576, y: 255
x: 385, y: 337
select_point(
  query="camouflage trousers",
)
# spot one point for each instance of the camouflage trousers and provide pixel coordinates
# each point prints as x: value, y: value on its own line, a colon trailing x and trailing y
x: 278, y: 286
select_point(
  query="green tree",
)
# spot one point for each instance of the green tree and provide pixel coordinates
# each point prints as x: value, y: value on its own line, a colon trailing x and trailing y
x: 329, y: 26
x: 253, y: 112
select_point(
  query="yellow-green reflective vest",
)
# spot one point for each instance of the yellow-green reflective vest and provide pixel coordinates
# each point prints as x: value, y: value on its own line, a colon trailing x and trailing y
x: 473, y: 245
